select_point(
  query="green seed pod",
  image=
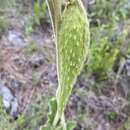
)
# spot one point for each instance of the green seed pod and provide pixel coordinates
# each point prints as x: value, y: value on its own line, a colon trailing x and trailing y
x: 72, y: 49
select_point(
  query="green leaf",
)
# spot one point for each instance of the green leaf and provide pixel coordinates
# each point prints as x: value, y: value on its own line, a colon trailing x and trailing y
x: 71, y: 125
x: 52, y: 110
x: 37, y: 8
x: 72, y: 50
x: 54, y: 7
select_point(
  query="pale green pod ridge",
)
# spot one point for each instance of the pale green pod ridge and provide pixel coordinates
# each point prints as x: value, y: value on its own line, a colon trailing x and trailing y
x: 72, y: 50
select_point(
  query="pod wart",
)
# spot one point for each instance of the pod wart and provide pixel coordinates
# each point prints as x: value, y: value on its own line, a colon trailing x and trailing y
x: 72, y: 50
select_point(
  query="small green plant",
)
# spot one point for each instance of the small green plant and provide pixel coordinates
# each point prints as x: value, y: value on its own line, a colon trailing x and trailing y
x: 30, y: 49
x: 40, y: 9
x: 102, y: 59
x: 101, y: 11
x: 126, y: 125
x: 3, y: 26
x: 111, y: 115
x: 39, y: 12
x: 35, y: 114
x: 29, y: 26
x: 6, y: 121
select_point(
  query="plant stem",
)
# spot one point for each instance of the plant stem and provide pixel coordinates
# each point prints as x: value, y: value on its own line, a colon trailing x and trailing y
x: 54, y: 7
x: 56, y: 119
x: 63, y: 122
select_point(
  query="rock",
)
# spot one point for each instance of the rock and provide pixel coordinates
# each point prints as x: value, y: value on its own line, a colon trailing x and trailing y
x: 9, y: 101
x: 36, y: 61
x: 6, y: 95
x: 14, y: 108
x: 16, y: 39
x: 16, y: 84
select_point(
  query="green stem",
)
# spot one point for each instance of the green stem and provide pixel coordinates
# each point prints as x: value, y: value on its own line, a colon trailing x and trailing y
x: 54, y: 7
x: 63, y: 122
x: 56, y: 119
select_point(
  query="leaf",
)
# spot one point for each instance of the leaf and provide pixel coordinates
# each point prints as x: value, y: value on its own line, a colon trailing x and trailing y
x: 52, y: 110
x: 71, y: 125
x: 72, y: 50
x: 54, y: 7
x: 37, y: 9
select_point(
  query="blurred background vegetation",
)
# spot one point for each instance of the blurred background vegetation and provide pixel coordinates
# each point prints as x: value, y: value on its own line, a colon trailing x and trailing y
x: 105, y: 70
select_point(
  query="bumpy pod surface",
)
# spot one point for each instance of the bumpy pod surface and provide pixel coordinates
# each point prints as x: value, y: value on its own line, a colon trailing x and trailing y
x: 72, y: 49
